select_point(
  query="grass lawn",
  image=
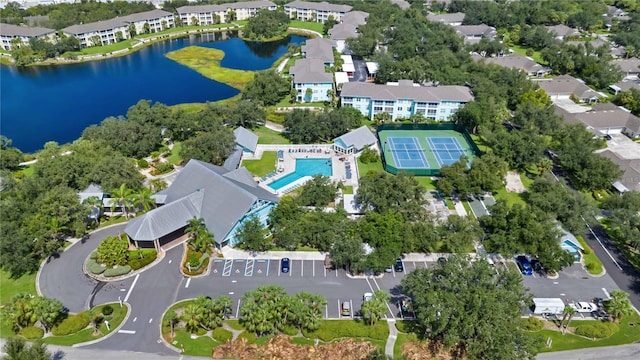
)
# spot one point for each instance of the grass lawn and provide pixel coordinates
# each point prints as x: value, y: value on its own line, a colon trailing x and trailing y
x: 363, y: 169
x: 292, y: 60
x: 400, y: 340
x: 9, y: 287
x: 87, y: 334
x: 286, y: 102
x: 308, y: 25
x: 591, y: 261
x: 112, y: 220
x: 347, y: 190
x: 467, y: 207
x: 514, y: 198
x: 263, y: 166
x: 207, y: 62
x: 190, y: 107
x: 175, y: 158
x: 107, y: 48
x: 335, y: 329
x: 627, y: 334
x: 268, y: 136
x: 234, y: 324
x: 523, y: 51
x: 200, y: 346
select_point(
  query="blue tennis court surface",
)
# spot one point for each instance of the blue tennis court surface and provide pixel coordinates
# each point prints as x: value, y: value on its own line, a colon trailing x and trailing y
x: 447, y: 150
x: 407, y: 153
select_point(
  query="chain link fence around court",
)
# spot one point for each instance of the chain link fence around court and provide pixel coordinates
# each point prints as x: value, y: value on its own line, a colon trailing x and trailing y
x: 433, y: 169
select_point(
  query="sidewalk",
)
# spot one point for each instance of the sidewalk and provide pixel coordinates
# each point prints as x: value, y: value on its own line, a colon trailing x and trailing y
x: 391, y: 340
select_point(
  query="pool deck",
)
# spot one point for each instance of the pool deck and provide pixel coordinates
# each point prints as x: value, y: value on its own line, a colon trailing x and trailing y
x: 311, y: 151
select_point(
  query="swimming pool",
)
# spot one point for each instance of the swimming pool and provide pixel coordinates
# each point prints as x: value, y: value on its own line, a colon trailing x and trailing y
x: 304, y: 167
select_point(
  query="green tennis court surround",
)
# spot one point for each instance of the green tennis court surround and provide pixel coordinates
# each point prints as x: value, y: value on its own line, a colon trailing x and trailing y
x: 422, y: 149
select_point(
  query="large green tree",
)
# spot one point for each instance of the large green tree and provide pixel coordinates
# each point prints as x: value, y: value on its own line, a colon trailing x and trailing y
x: 211, y: 147
x: 266, y: 24
x: 401, y: 194
x: 19, y: 349
x: 250, y: 235
x: 267, y: 87
x: 466, y: 305
x: 319, y: 191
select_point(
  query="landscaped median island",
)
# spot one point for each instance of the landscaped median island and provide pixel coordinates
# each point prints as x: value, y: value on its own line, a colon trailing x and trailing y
x: 272, y: 324
x: 114, y: 258
x: 37, y: 317
x: 207, y: 62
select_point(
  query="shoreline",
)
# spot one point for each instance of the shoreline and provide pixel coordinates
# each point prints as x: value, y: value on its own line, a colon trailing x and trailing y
x: 7, y: 59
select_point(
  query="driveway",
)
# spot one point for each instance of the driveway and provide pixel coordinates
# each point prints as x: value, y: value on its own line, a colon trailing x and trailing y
x: 62, y: 277
x: 360, y: 75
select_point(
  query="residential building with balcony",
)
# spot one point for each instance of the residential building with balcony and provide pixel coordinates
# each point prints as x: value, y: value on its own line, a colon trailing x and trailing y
x: 313, y: 11
x: 310, y: 80
x: 9, y: 32
x: 223, y: 13
x: 405, y: 99
x: 117, y: 29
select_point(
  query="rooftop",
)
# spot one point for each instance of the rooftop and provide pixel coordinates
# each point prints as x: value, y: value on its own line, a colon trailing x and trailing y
x: 358, y: 138
x: 631, y: 65
x: 318, y: 6
x: 562, y: 30
x: 516, y: 61
x: 319, y: 48
x: 446, y: 18
x: 405, y: 89
x: 567, y: 85
x: 259, y: 4
x: 14, y: 30
x: 310, y: 71
x: 116, y: 22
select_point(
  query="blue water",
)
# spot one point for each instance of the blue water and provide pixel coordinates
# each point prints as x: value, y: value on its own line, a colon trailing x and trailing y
x: 56, y: 103
x: 304, y: 167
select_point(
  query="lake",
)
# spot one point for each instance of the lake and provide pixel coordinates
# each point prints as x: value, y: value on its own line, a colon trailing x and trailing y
x: 56, y: 103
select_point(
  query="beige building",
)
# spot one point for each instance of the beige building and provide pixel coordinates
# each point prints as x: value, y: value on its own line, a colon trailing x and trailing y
x: 9, y: 33
x: 313, y: 11
x: 223, y: 13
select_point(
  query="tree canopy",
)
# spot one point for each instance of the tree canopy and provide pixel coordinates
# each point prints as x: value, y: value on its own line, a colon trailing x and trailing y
x: 450, y: 302
x: 267, y: 87
x: 384, y: 193
x: 304, y: 126
x: 266, y: 24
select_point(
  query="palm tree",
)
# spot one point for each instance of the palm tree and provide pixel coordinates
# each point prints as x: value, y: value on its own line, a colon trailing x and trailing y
x: 172, y: 319
x: 194, y: 226
x: 94, y: 203
x: 192, y: 317
x: 56, y: 228
x: 544, y: 165
x: 122, y: 196
x: 619, y: 305
x: 142, y: 199
x: 199, y: 236
x: 567, y: 314
x: 158, y: 184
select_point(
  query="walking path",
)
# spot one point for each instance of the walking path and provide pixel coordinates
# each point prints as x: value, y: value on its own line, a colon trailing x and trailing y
x: 273, y: 126
x: 391, y: 340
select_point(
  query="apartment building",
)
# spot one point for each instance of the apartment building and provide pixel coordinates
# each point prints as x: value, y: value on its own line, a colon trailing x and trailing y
x: 313, y: 11
x: 405, y: 99
x: 310, y: 81
x: 223, y: 13
x: 9, y: 32
x: 120, y: 28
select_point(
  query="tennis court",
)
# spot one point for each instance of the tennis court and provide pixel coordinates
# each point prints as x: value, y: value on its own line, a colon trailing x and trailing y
x: 447, y: 150
x: 407, y: 153
x: 422, y: 149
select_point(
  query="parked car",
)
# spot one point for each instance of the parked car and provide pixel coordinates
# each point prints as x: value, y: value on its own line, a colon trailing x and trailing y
x: 399, y: 266
x: 442, y: 260
x: 284, y: 265
x: 537, y: 265
x: 346, y: 308
x: 367, y: 296
x: 389, y: 269
x: 524, y: 265
x: 584, y: 307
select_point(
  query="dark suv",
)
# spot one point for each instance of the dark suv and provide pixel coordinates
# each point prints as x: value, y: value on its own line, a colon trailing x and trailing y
x: 398, y: 266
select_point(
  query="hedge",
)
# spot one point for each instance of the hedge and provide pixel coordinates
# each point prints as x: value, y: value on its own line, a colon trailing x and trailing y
x: 107, y: 310
x: 199, y: 271
x: 290, y: 330
x: 95, y: 268
x: 31, y: 332
x: 334, y: 329
x: 597, y: 330
x: 120, y: 270
x: 147, y: 258
x: 222, y: 335
x: 533, y: 324
x: 93, y: 255
x: 71, y: 325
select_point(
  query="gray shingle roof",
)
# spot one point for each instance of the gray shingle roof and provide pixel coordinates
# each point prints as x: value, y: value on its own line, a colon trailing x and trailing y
x: 91, y: 190
x: 318, y: 6
x: 476, y: 30
x: 567, y: 85
x: 355, y: 18
x: 631, y: 167
x: 404, y: 91
x: 343, y: 31
x: 310, y: 71
x: 631, y: 65
x: 246, y: 138
x: 516, y: 61
x: 358, y: 138
x: 234, y: 159
x: 446, y: 18
x: 319, y: 48
x: 115, y: 22
x: 562, y: 30
x: 14, y: 30
x: 221, y: 197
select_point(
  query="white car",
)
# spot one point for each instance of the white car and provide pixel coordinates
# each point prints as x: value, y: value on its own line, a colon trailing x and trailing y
x: 584, y: 307
x: 367, y: 296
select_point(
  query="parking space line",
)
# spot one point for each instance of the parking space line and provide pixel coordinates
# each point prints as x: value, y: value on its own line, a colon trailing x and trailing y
x: 606, y: 293
x: 325, y: 271
x: 302, y: 268
x: 339, y: 310
x: 228, y: 265
x: 313, y: 268
x: 326, y: 311
x: 404, y: 269
x: 351, y: 304
x: 393, y: 272
x: 248, y: 267
x: 238, y: 309
x: 268, y: 262
x: 279, y: 267
x: 425, y: 264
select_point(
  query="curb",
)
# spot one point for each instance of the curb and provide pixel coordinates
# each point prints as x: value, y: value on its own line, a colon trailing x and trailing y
x: 162, y: 339
x: 158, y: 260
x: 184, y: 260
x: 115, y: 331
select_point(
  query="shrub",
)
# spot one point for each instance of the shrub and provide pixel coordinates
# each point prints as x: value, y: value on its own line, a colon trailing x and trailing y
x: 71, y: 325
x: 533, y: 324
x: 94, y: 255
x: 147, y: 258
x: 107, y: 310
x: 31, y: 332
x: 334, y: 329
x: 222, y: 335
x: 143, y: 164
x: 194, y: 260
x: 113, y: 251
x: 369, y: 156
x: 95, y: 268
x: 529, y: 52
x: 117, y: 271
x: 251, y: 337
x: 164, y: 168
x: 199, y: 271
x: 597, y: 330
x: 290, y: 330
